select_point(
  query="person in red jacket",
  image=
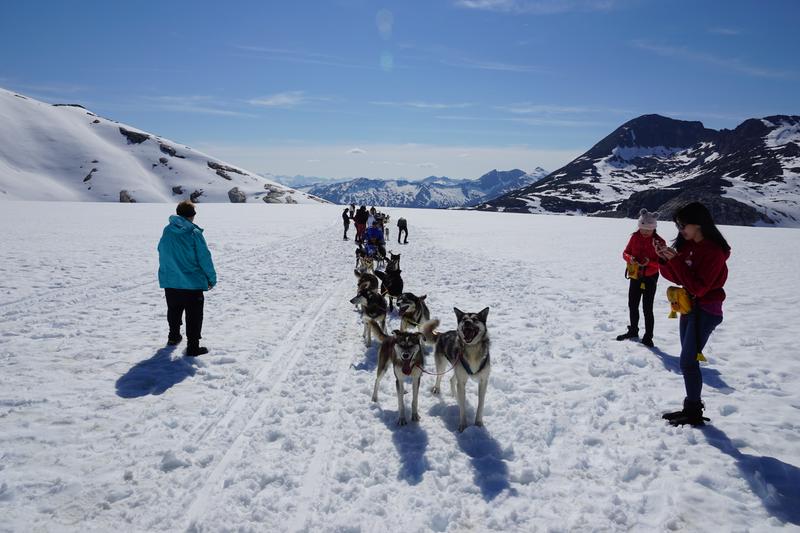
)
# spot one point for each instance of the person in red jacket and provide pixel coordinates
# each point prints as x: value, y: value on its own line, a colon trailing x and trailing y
x: 697, y: 262
x: 641, y: 252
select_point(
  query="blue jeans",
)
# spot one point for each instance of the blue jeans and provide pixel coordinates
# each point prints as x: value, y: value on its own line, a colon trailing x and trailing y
x: 695, y: 329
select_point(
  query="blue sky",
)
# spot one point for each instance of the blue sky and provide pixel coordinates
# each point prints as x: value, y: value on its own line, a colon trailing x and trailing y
x: 403, y: 88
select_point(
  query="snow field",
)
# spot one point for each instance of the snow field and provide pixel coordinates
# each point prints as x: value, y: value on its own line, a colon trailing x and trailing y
x: 102, y: 427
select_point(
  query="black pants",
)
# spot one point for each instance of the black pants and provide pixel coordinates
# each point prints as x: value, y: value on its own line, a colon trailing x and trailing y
x: 403, y: 229
x: 346, y: 227
x: 647, y: 295
x: 191, y: 301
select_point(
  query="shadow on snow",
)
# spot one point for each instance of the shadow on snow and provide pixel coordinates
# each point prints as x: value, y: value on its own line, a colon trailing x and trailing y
x: 486, y: 455
x: 775, y: 482
x: 411, y: 442
x: 711, y: 376
x: 154, y: 375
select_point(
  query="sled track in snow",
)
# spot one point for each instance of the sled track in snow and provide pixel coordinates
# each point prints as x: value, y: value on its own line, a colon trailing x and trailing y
x: 55, y: 300
x: 287, y: 355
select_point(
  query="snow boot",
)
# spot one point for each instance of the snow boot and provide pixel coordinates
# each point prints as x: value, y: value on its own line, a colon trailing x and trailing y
x: 174, y: 339
x: 631, y: 334
x: 692, y: 414
x: 647, y: 340
x: 193, y: 349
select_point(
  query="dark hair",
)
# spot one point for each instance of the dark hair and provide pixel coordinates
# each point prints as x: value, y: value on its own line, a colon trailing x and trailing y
x: 185, y: 209
x: 697, y: 213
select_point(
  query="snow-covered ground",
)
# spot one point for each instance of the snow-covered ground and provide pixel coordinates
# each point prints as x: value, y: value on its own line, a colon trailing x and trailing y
x: 103, y: 428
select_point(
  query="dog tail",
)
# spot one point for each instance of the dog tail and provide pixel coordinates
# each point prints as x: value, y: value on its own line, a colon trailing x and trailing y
x: 377, y: 331
x: 428, y: 332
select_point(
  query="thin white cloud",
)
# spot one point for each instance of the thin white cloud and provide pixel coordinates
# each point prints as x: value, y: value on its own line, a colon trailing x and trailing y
x: 203, y: 105
x: 427, y: 165
x: 285, y: 100
x: 297, y: 56
x: 356, y: 151
x: 423, y: 105
x: 735, y: 65
x: 538, y: 7
x: 491, y: 65
x: 530, y: 121
x: 725, y: 31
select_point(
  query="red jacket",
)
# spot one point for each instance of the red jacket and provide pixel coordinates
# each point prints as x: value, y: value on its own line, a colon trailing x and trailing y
x: 700, y: 268
x: 641, y: 248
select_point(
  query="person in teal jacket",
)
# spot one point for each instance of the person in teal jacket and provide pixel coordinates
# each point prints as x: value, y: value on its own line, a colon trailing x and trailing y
x: 185, y: 271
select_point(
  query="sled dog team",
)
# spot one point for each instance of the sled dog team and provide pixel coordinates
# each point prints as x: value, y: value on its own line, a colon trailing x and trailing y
x: 463, y: 351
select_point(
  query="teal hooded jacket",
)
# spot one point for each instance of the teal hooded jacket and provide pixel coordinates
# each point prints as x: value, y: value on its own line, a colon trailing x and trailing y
x: 184, y: 261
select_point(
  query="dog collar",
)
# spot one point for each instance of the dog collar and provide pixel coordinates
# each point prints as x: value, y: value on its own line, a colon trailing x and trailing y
x: 467, y: 368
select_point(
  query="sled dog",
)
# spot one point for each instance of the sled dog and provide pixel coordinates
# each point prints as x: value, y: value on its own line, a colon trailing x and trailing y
x: 466, y: 349
x: 373, y: 308
x: 406, y: 353
x: 413, y: 310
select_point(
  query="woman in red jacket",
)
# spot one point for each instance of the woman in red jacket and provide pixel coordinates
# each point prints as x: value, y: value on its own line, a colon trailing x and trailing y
x: 641, y: 252
x: 697, y: 263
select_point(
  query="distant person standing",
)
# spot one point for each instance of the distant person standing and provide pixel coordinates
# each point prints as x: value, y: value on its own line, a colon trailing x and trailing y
x: 346, y: 222
x: 402, y: 227
x: 185, y: 271
x: 352, y: 210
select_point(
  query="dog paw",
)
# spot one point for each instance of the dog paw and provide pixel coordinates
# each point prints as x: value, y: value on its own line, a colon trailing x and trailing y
x: 415, y: 417
x: 479, y: 423
x: 401, y: 422
x: 462, y: 427
x: 375, y: 398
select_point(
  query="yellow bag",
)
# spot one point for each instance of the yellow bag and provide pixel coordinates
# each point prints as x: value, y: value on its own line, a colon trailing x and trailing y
x: 679, y: 301
x: 632, y: 271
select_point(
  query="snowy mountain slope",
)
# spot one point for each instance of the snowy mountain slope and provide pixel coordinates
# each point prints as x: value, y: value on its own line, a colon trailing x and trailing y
x: 432, y: 192
x: 102, y: 428
x: 67, y: 153
x: 749, y: 175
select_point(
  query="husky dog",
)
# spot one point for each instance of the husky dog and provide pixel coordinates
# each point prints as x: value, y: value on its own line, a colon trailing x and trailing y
x: 364, y: 262
x: 406, y: 353
x: 393, y: 262
x: 366, y: 280
x: 467, y: 349
x: 391, y: 283
x: 373, y: 308
x: 413, y: 310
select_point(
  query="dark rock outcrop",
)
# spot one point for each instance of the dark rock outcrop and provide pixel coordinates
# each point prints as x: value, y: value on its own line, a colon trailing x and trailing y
x: 133, y: 136
x: 236, y: 196
x: 126, y: 198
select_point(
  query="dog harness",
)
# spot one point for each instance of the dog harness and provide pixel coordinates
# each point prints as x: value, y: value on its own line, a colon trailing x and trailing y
x: 466, y: 366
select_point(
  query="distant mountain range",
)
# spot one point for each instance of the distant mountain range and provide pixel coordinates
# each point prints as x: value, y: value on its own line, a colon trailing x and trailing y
x: 67, y: 153
x: 431, y: 192
x: 747, y: 176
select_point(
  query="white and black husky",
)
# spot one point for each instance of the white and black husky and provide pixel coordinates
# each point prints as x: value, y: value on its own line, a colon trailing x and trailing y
x: 406, y: 353
x: 413, y: 310
x: 466, y: 350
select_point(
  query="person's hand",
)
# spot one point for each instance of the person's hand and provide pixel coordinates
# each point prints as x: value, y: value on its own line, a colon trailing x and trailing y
x: 644, y: 262
x: 210, y: 286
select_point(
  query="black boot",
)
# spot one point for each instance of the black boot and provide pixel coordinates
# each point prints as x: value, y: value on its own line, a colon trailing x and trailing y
x: 647, y: 340
x: 193, y: 348
x: 631, y: 334
x: 692, y: 414
x: 174, y: 338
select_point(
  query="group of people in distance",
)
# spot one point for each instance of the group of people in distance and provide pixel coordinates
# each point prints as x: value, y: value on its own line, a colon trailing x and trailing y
x: 696, y: 261
x: 365, y: 220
